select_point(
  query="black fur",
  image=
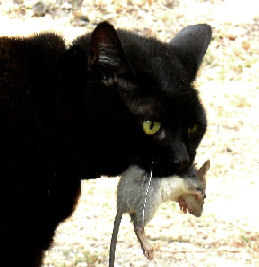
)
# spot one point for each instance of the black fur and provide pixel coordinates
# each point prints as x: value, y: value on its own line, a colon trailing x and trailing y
x: 75, y: 113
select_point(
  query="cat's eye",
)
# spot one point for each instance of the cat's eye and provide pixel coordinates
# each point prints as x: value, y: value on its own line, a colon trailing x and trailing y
x: 151, y: 127
x: 193, y: 129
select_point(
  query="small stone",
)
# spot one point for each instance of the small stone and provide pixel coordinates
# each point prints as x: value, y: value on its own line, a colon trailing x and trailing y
x: 80, y: 21
x: 18, y: 2
x: 39, y: 9
x: 76, y: 4
x: 246, y: 45
x: 171, y: 4
x: 231, y: 38
x: 229, y: 149
x: 21, y: 12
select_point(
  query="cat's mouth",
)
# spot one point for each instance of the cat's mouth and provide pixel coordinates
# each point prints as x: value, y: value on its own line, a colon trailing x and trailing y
x: 163, y: 168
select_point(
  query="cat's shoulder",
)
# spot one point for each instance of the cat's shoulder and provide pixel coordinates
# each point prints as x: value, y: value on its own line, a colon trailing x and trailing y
x: 42, y: 44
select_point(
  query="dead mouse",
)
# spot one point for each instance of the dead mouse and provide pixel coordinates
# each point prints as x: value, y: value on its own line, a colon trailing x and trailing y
x: 188, y: 191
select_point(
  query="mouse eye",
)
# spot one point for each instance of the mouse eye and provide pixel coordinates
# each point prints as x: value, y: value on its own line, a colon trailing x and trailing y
x: 193, y: 129
x: 198, y: 189
x: 151, y: 127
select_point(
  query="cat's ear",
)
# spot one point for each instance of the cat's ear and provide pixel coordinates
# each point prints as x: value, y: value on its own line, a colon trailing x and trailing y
x: 106, y: 53
x: 191, y: 44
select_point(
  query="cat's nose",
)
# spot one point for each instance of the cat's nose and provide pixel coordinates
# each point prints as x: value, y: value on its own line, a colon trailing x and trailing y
x: 180, y: 156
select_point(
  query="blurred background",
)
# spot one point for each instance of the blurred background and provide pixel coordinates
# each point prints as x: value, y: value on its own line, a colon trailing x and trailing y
x: 228, y: 81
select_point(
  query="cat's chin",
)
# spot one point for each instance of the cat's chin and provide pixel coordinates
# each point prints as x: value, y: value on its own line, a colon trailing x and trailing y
x: 156, y: 172
x: 163, y: 170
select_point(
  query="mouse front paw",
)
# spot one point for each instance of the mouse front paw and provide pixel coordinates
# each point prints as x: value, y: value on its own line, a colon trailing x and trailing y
x: 183, y: 205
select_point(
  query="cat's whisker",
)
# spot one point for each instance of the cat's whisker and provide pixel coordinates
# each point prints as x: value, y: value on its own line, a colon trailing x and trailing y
x: 149, y: 183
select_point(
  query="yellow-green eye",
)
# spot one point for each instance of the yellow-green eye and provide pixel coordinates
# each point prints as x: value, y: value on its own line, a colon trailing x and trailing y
x: 193, y: 129
x: 151, y: 127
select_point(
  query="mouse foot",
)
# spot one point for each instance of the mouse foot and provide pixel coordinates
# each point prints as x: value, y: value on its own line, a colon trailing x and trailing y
x: 146, y: 246
x: 149, y: 253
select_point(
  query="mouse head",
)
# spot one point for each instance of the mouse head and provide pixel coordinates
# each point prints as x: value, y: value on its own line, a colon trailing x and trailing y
x: 193, y: 201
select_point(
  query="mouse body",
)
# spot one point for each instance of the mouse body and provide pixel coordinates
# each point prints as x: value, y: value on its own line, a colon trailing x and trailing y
x: 132, y: 198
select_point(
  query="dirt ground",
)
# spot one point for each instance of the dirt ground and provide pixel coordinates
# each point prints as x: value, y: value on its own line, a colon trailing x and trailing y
x: 227, y: 234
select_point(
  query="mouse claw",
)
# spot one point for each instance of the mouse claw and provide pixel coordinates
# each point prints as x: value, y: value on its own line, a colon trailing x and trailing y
x: 182, y: 205
x: 149, y: 254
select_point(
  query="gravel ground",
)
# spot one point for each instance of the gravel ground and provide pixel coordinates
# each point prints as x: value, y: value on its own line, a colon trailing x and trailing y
x: 227, y: 234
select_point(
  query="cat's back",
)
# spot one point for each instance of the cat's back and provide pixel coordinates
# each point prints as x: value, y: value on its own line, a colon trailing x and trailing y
x: 29, y: 70
x: 26, y: 61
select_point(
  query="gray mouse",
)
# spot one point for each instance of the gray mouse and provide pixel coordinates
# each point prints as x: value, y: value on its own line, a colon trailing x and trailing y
x: 140, y: 196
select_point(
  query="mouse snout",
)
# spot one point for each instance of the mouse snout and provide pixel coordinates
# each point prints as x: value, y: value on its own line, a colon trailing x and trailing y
x: 196, y: 213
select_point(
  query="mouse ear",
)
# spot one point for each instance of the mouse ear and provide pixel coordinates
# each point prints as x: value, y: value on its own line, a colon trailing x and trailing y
x: 203, y: 169
x: 106, y: 53
x: 191, y: 44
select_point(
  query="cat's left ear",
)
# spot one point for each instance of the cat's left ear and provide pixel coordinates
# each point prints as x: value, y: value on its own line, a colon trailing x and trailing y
x: 106, y: 53
x: 191, y: 44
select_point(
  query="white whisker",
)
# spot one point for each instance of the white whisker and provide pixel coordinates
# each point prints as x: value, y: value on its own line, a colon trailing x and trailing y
x: 145, y: 201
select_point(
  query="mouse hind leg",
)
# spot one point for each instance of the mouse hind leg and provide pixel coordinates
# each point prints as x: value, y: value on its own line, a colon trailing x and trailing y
x: 145, y: 244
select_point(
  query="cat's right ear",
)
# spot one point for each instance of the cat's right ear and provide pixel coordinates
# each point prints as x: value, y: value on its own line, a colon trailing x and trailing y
x: 106, y: 53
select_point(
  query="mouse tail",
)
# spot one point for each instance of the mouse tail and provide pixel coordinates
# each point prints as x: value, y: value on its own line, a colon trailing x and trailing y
x: 113, y: 243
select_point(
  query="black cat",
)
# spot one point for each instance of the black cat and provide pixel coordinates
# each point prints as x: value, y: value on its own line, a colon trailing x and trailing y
x: 110, y: 100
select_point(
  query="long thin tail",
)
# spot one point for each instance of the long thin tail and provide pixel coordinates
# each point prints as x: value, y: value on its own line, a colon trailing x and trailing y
x: 113, y: 243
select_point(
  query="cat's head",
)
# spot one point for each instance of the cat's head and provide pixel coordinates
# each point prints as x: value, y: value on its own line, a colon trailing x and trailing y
x: 157, y: 120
